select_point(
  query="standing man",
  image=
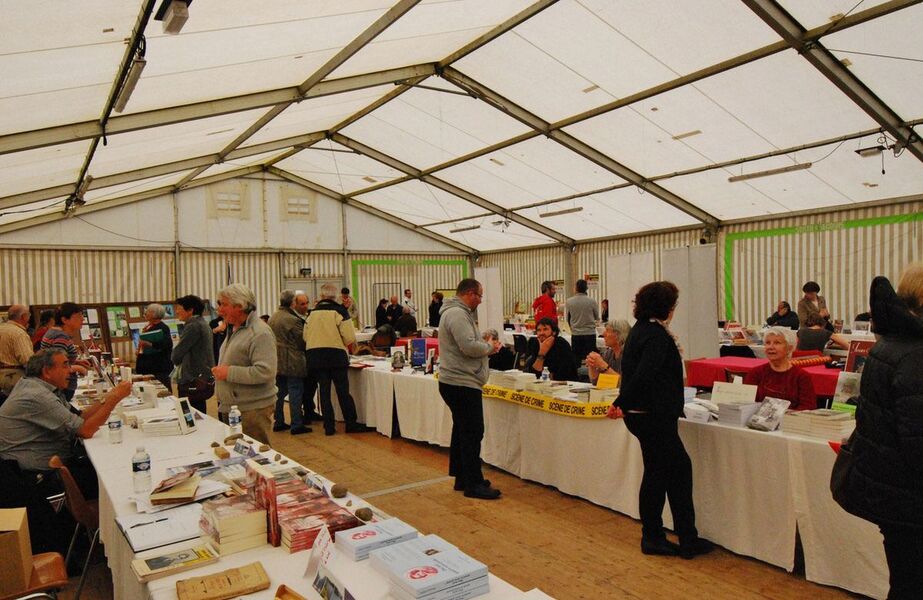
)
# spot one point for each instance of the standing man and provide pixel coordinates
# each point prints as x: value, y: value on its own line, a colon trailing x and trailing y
x: 544, y: 305
x: 15, y: 348
x: 246, y: 372
x: 327, y: 334
x: 310, y: 383
x: 407, y: 301
x: 582, y: 316
x: 463, y: 372
x: 394, y: 311
x: 349, y: 303
x: 290, y: 370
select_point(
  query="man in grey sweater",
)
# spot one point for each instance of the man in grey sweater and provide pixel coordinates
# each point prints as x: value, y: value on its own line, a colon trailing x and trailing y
x: 246, y: 372
x: 463, y: 372
x: 582, y: 316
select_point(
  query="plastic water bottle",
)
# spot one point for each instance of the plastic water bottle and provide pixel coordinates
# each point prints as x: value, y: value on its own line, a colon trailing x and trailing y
x: 546, y: 374
x: 234, y: 420
x: 141, y: 470
x: 115, y: 429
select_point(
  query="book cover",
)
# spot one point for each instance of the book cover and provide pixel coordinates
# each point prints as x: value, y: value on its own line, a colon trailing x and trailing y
x: 263, y: 492
x: 847, y: 388
x: 417, y: 352
x: 858, y: 354
x: 184, y: 491
x: 426, y: 565
x: 226, y: 584
x: 769, y: 415
x: 152, y: 336
x: 359, y: 541
x: 155, y: 567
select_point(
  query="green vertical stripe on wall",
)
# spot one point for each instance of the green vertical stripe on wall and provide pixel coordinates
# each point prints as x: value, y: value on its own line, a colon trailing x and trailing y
x: 783, y: 231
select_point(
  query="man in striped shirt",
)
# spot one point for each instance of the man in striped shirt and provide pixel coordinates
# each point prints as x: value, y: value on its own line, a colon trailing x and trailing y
x: 15, y: 347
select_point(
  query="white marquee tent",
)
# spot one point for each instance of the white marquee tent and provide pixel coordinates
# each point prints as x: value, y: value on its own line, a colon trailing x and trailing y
x: 485, y: 124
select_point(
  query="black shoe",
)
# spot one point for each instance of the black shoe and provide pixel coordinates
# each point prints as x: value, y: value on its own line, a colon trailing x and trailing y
x: 482, y: 492
x: 330, y: 432
x: 280, y: 427
x: 459, y: 485
x: 659, y: 547
x: 694, y: 548
x: 313, y: 417
x: 300, y: 430
x: 359, y: 428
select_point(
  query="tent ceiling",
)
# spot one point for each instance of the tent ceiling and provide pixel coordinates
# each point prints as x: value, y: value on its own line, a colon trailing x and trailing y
x: 481, y: 115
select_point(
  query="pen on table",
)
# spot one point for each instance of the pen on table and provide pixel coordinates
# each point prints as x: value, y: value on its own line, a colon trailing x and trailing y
x: 149, y: 522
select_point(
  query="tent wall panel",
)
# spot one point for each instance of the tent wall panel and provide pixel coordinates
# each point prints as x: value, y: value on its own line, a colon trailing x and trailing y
x: 764, y: 262
x: 325, y: 265
x: 523, y: 272
x: 422, y: 273
x: 205, y: 273
x: 34, y: 276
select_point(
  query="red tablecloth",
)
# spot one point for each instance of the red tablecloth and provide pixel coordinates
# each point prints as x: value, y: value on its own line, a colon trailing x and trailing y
x: 704, y: 372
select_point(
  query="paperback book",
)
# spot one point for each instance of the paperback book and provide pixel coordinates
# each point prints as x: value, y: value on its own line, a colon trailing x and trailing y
x: 769, y: 415
x: 155, y: 567
x: 425, y: 566
x: 358, y: 542
x: 858, y: 354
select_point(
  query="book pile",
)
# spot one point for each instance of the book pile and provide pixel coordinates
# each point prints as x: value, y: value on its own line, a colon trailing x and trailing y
x: 429, y: 568
x: 233, y: 524
x: 823, y: 423
x: 736, y: 414
x: 360, y: 541
x: 303, y: 511
x: 513, y: 379
x: 178, y: 489
x: 166, y: 425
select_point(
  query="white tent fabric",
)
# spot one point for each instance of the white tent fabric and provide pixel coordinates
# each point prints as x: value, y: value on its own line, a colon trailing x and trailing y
x: 471, y: 119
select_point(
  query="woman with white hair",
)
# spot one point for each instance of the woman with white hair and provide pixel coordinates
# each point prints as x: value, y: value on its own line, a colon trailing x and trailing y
x: 779, y: 378
x: 610, y: 359
x: 155, y: 346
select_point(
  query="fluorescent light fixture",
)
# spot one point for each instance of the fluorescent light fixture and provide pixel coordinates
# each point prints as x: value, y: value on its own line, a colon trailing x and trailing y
x: 563, y: 211
x: 681, y: 136
x: 134, y: 74
x: 175, y: 15
x: 871, y: 151
x: 767, y: 173
x: 468, y: 228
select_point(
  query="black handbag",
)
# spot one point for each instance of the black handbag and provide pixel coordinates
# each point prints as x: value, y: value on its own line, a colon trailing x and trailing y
x: 839, y: 476
x: 199, y: 389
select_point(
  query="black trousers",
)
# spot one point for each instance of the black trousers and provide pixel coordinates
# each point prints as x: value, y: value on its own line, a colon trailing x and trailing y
x: 667, y: 474
x: 310, y: 390
x: 467, y: 432
x: 904, y: 552
x: 337, y: 375
x: 583, y: 345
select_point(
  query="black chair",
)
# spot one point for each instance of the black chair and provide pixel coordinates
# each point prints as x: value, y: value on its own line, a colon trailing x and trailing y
x: 520, y: 350
x: 741, y: 351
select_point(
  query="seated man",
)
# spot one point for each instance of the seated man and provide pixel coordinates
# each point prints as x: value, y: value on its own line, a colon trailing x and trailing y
x: 783, y: 317
x: 36, y: 422
x: 550, y: 350
x: 502, y: 358
x: 406, y: 324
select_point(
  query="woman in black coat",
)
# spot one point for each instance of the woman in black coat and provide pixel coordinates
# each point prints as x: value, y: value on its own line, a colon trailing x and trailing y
x: 434, y: 307
x: 885, y: 483
x: 381, y: 314
x: 154, y: 355
x: 651, y: 399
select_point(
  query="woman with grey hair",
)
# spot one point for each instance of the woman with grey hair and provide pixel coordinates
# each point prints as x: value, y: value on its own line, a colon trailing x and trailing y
x: 155, y: 346
x: 779, y: 378
x: 610, y: 359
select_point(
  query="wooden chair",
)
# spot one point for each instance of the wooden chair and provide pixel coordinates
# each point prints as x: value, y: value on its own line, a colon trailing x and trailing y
x: 85, y: 512
x: 48, y: 576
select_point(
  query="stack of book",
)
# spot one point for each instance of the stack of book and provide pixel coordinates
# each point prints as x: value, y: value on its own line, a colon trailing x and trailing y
x: 177, y: 489
x: 736, y: 414
x: 168, y: 425
x: 360, y: 541
x: 823, y: 423
x: 303, y: 513
x: 233, y: 524
x: 429, y: 568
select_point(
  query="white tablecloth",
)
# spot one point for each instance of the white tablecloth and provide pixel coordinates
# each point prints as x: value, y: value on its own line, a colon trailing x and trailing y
x: 113, y: 466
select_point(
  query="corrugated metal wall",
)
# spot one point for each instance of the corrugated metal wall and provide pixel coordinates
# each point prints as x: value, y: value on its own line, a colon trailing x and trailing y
x: 523, y: 272
x: 769, y: 261
x: 591, y: 257
x: 421, y: 273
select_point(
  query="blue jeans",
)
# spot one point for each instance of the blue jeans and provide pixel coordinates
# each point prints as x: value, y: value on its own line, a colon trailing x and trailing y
x: 294, y: 388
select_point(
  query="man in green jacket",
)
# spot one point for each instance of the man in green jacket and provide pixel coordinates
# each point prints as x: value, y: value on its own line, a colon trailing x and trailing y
x: 291, y: 370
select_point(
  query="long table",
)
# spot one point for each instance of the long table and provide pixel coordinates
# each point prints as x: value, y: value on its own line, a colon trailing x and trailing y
x: 113, y: 466
x: 704, y: 372
x: 752, y: 489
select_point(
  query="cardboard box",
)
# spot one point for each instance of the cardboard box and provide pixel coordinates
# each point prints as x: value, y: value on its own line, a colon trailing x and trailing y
x: 16, y: 550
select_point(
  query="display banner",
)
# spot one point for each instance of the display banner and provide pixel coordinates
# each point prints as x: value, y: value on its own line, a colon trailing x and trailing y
x: 586, y: 410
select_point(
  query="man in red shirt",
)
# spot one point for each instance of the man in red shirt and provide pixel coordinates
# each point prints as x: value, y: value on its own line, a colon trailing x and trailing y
x: 544, y: 305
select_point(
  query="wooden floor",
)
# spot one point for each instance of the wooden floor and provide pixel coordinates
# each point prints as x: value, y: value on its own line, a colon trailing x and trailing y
x: 534, y: 536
